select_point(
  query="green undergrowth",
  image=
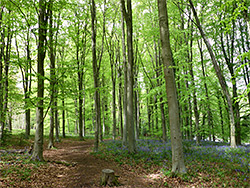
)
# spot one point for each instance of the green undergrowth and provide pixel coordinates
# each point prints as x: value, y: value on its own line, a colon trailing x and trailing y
x: 209, y: 164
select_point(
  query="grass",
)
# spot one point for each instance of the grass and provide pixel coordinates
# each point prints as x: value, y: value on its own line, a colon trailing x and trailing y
x: 213, y: 163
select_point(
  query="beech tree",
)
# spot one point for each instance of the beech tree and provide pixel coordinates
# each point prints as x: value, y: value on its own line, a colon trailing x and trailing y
x: 127, y: 13
x: 178, y: 165
x: 121, y: 82
x: 96, y: 69
x: 37, y: 153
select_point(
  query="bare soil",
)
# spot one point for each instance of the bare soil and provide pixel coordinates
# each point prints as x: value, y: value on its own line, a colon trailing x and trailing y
x: 85, y: 169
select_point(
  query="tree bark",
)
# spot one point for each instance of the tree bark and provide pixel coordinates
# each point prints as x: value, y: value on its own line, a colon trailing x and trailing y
x: 52, y: 79
x: 124, y: 136
x: 178, y: 165
x: 130, y: 76
x: 96, y: 76
x: 37, y: 153
x: 1, y: 72
x: 120, y: 90
x: 5, y: 78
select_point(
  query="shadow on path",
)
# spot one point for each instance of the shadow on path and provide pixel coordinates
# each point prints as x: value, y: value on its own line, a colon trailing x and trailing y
x: 87, y: 172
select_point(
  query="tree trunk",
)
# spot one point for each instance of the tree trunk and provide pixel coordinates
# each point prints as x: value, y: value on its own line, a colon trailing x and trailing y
x: 178, y: 165
x: 27, y: 80
x: 1, y: 72
x: 80, y: 83
x: 83, y: 112
x: 209, y: 116
x: 6, y: 78
x: 130, y: 76
x: 37, y: 153
x: 57, y: 125
x: 96, y: 76
x: 52, y: 79
x: 63, y: 116
x: 120, y: 94
x: 124, y: 136
x: 77, y: 116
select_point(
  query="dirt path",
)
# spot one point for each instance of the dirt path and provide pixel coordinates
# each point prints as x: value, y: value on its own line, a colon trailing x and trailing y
x: 87, y: 171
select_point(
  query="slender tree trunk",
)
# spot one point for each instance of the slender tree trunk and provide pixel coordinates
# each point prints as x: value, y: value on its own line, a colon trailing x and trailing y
x: 209, y: 114
x: 52, y: 79
x: 221, y: 115
x: 84, y: 111
x: 80, y: 83
x: 220, y: 77
x: 6, y: 78
x: 130, y: 76
x: 159, y: 82
x: 63, y: 116
x: 120, y: 93
x: 96, y: 76
x: 114, y: 107
x: 124, y: 137
x: 27, y: 87
x: 76, y: 114
x: 195, y: 106
x: 38, y: 144
x: 149, y: 113
x: 1, y: 72
x: 178, y: 165
x: 57, y: 125
x: 26, y: 80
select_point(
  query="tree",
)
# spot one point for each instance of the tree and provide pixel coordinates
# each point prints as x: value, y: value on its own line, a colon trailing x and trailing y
x: 178, y: 165
x: 124, y: 61
x: 96, y: 69
x: 1, y: 73
x: 37, y: 153
x: 127, y: 13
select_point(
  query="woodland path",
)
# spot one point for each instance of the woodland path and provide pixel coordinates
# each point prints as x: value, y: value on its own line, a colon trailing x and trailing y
x: 87, y: 171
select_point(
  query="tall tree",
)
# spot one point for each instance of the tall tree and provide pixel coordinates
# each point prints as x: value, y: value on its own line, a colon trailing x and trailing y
x: 37, y: 153
x: 52, y: 76
x: 124, y: 60
x: 96, y: 69
x: 178, y: 165
x: 1, y: 71
x: 127, y: 13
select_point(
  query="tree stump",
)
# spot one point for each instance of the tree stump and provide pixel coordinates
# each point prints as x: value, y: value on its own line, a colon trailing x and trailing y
x: 109, y: 178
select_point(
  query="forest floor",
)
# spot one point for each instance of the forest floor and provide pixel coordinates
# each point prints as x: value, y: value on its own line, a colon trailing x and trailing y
x: 87, y: 167
x: 70, y: 164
